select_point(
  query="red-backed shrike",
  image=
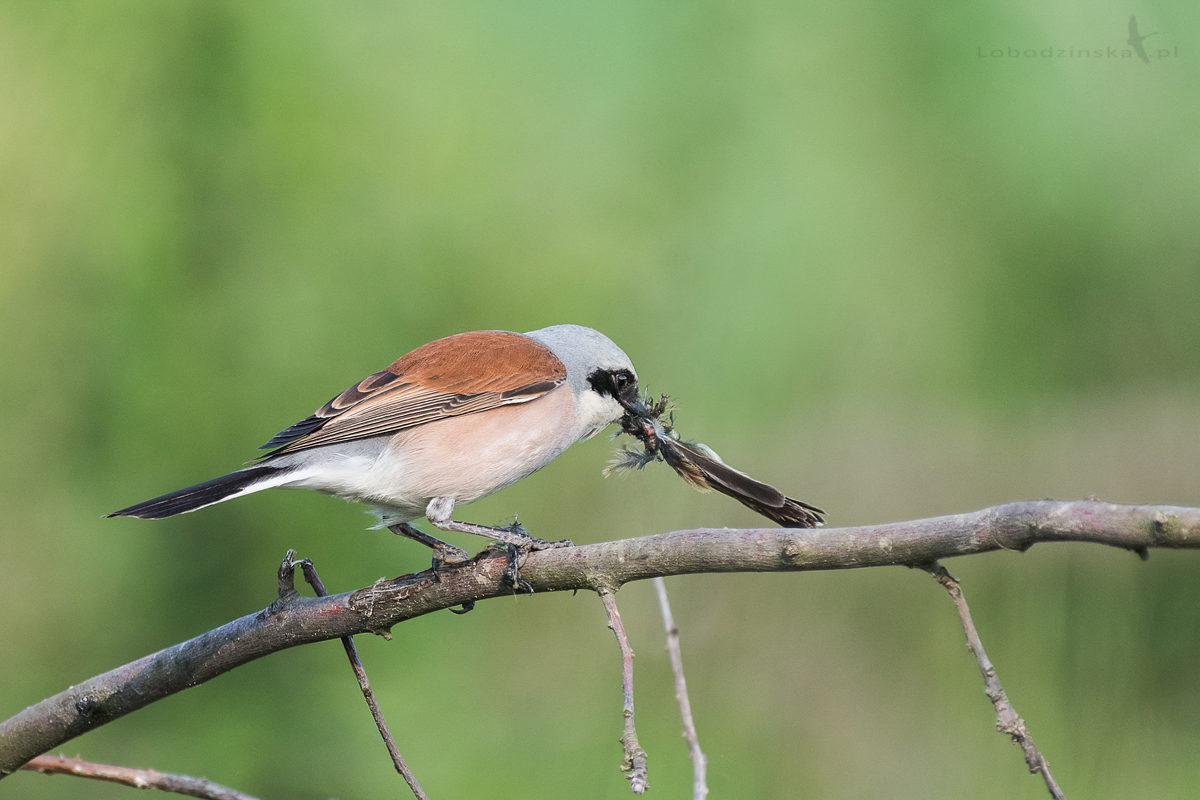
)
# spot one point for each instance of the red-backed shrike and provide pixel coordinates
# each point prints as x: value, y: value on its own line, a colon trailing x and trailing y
x: 453, y: 421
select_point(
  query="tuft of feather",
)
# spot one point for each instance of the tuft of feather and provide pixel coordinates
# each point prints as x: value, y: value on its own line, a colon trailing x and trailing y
x: 628, y: 459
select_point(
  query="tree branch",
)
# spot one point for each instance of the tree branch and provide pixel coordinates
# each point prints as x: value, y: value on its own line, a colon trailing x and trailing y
x: 699, y: 762
x: 295, y: 620
x: 634, y: 764
x: 287, y: 585
x: 1007, y: 719
x: 136, y: 778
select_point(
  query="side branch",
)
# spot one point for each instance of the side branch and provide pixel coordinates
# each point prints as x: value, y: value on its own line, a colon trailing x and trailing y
x: 634, y: 764
x: 699, y: 761
x: 135, y: 778
x: 295, y: 620
x: 1007, y: 719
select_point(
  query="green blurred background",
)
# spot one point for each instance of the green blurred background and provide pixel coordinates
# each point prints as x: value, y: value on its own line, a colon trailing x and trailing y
x: 901, y: 260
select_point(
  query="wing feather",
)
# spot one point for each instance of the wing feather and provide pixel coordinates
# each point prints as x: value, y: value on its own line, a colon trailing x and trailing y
x: 462, y: 374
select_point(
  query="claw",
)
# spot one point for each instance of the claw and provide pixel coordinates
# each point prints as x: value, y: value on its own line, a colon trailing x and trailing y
x: 543, y: 544
x: 512, y: 572
x: 449, y: 556
x: 445, y: 558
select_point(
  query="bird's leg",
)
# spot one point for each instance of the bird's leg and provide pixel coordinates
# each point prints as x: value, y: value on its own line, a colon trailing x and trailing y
x: 438, y: 514
x: 443, y: 552
x: 512, y: 540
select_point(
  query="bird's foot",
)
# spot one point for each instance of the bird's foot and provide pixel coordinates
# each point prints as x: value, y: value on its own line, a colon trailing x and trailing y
x: 527, y: 542
x: 542, y: 544
x: 448, y: 556
x: 444, y: 554
x: 512, y: 570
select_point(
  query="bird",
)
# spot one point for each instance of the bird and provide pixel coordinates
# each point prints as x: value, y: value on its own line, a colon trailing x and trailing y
x: 1135, y: 39
x: 450, y: 422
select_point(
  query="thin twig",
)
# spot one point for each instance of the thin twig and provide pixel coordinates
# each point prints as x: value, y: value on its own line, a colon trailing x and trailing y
x: 360, y: 672
x: 137, y: 778
x: 699, y: 762
x: 1007, y: 719
x: 634, y: 764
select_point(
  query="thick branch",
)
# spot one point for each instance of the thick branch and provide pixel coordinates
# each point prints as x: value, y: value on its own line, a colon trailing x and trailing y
x: 296, y: 620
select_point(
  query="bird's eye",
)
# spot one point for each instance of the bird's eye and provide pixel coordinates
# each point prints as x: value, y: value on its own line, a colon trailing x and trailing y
x: 616, y: 383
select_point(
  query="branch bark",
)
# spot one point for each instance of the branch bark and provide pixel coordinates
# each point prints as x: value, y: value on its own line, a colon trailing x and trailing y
x: 294, y: 620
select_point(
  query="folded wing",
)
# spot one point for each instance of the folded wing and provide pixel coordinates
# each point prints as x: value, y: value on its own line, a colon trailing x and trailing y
x: 461, y: 374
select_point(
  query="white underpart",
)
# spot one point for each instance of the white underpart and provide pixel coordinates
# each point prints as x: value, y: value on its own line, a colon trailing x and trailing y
x: 459, y: 458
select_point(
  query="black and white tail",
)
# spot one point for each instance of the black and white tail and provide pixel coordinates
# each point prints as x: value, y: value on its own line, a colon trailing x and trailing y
x: 235, y: 484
